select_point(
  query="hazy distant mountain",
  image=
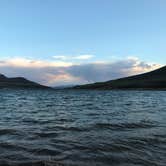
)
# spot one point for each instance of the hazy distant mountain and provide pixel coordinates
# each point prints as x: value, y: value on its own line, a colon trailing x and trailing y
x: 18, y: 82
x: 64, y: 86
x: 152, y: 80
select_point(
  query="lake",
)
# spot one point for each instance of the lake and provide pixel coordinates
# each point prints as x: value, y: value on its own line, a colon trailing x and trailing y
x: 82, y: 127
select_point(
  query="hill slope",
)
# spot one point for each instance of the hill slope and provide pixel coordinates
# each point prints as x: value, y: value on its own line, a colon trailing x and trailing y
x: 18, y: 82
x: 152, y: 80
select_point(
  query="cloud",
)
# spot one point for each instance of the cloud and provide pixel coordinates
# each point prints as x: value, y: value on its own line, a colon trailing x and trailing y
x: 23, y: 62
x: 76, y: 57
x: 62, y: 73
x: 61, y: 57
x: 83, y: 57
x: 104, y: 71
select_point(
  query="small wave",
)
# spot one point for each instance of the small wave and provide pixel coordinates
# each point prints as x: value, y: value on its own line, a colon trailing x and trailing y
x: 44, y: 152
x: 32, y: 163
x: 49, y: 105
x: 7, y: 131
x: 65, y: 120
x: 11, y: 146
x: 73, y: 128
x: 46, y: 134
x: 93, y: 114
x: 123, y: 126
x: 30, y: 120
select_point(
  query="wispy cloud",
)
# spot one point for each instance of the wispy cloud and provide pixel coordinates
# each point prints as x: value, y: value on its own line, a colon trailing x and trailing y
x: 61, y: 57
x: 83, y: 57
x: 26, y: 62
x: 75, y: 57
x: 61, y: 72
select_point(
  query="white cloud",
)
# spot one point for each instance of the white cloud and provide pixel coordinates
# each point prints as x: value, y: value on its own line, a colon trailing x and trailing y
x: 61, y: 57
x: 71, y: 57
x: 83, y: 57
x: 25, y: 62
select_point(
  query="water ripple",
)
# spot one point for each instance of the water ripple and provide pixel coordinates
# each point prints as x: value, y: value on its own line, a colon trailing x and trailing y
x: 82, y: 128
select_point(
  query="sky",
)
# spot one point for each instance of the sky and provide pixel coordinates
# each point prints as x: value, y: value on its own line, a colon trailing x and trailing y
x: 60, y: 42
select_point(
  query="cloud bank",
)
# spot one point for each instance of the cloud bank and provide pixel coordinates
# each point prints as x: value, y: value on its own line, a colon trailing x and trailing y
x: 61, y: 72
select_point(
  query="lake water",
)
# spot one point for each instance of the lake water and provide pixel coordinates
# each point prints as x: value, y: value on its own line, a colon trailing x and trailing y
x: 82, y: 127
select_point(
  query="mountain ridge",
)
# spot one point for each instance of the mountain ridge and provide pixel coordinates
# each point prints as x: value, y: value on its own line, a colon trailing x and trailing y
x: 19, y: 82
x: 155, y: 79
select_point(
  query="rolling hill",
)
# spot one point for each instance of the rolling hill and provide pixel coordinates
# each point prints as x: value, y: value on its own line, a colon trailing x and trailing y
x: 18, y: 82
x: 152, y: 80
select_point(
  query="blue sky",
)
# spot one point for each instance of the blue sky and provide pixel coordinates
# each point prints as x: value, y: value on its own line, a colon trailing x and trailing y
x: 104, y: 30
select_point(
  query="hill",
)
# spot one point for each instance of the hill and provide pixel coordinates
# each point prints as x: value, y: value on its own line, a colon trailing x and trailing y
x: 18, y: 82
x: 152, y: 80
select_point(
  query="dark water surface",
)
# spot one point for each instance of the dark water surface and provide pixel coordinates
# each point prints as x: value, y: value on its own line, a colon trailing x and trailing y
x: 84, y: 128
